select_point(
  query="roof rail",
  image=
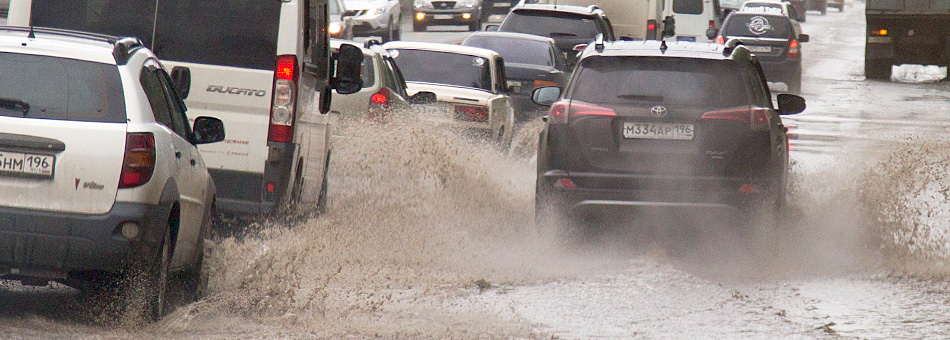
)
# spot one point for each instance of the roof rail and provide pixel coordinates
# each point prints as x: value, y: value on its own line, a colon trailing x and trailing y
x: 371, y: 42
x: 593, y: 8
x: 122, y: 47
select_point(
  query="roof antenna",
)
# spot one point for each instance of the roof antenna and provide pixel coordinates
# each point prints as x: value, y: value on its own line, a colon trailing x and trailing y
x: 663, y: 47
x: 31, y: 35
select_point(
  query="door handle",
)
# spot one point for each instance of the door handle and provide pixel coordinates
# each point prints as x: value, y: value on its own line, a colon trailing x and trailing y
x: 177, y: 154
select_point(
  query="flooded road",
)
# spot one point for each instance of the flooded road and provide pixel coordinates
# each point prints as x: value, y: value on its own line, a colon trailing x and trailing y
x: 431, y: 235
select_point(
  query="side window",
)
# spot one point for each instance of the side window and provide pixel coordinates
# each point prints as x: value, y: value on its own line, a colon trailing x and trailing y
x: 179, y: 119
x: 761, y: 87
x: 502, y: 85
x: 319, y: 40
x: 156, y: 95
x: 400, y: 81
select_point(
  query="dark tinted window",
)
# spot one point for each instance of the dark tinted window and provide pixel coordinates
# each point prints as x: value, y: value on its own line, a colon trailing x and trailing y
x: 753, y: 25
x: 369, y: 72
x: 444, y: 68
x: 519, y: 51
x: 688, y: 6
x: 551, y: 24
x: 240, y: 33
x: 671, y: 81
x: 62, y: 89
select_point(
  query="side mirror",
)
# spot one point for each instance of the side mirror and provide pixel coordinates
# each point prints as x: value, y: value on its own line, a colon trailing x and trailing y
x: 181, y: 77
x: 545, y: 96
x: 348, y: 68
x: 712, y: 33
x: 207, y: 130
x: 669, y: 27
x: 422, y: 97
x: 789, y: 104
x: 492, y: 28
x: 803, y: 38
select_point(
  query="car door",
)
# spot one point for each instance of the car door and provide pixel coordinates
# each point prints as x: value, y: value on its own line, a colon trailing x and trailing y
x: 192, y: 176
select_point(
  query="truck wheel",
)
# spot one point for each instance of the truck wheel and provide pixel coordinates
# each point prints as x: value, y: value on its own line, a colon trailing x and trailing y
x: 877, y: 69
x: 418, y: 26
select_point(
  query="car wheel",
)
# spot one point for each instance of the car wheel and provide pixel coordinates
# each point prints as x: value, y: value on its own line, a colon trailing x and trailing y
x: 418, y: 27
x: 148, y: 280
x: 877, y: 69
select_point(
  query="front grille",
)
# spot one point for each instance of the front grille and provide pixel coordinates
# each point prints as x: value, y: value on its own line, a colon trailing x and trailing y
x: 443, y: 4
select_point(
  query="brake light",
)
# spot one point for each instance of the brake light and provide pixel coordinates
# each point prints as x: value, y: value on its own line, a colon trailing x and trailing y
x: 651, y: 29
x: 139, y: 161
x: 712, y: 24
x: 793, y: 48
x: 756, y: 118
x: 720, y: 40
x: 562, y: 111
x: 281, y: 127
x: 543, y: 83
x: 379, y: 103
x: 471, y: 113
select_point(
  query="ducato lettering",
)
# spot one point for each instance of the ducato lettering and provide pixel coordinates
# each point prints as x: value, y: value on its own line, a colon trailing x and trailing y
x: 236, y: 90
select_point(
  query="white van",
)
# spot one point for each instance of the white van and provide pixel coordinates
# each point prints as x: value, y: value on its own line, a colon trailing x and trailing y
x: 693, y: 18
x: 259, y: 66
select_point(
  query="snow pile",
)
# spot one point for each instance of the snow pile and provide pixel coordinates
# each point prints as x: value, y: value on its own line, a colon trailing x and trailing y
x: 909, y: 195
x: 918, y: 73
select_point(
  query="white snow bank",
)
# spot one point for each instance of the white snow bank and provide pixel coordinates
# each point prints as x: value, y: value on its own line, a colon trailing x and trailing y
x: 918, y: 73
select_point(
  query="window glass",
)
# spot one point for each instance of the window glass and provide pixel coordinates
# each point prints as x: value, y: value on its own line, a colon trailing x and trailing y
x: 755, y: 25
x: 703, y: 83
x: 368, y: 73
x: 551, y: 24
x: 444, y: 68
x: 176, y: 108
x: 688, y: 6
x: 400, y: 81
x: 518, y: 51
x: 63, y: 89
x: 155, y: 93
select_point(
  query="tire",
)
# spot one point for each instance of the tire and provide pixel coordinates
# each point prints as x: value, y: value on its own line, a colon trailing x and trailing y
x: 876, y: 69
x: 418, y: 26
x: 475, y: 26
x: 148, y: 279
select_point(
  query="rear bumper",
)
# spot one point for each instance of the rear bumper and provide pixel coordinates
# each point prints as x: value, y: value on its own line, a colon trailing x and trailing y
x: 784, y: 71
x: 52, y: 245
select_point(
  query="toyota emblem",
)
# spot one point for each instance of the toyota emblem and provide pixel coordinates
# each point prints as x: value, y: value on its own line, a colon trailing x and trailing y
x: 658, y: 111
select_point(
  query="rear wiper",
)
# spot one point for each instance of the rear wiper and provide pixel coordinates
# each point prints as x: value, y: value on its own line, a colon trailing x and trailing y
x: 562, y: 34
x: 12, y: 104
x: 641, y: 98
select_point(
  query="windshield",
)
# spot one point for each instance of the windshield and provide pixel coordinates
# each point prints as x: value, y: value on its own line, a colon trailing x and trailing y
x: 239, y: 33
x: 444, y: 68
x: 551, y: 24
x: 669, y: 81
x: 515, y: 50
x: 758, y: 26
x: 62, y: 89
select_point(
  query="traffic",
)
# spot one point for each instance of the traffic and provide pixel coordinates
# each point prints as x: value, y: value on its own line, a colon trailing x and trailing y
x: 471, y: 169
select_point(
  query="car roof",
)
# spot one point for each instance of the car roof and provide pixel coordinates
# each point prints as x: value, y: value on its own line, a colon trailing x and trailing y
x: 651, y: 48
x: 770, y: 15
x: 450, y: 48
x: 68, y: 44
x: 512, y: 35
x: 588, y: 10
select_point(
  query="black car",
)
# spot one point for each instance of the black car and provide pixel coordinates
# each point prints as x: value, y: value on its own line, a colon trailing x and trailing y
x: 569, y: 26
x: 645, y: 124
x: 531, y: 62
x: 775, y: 39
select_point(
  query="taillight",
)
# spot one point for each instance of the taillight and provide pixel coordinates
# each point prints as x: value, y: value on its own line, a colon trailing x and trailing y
x: 284, y: 101
x: 562, y: 111
x: 720, y: 40
x: 379, y: 103
x: 471, y: 113
x: 879, y: 32
x: 543, y: 83
x: 793, y: 48
x: 139, y: 160
x: 712, y: 24
x: 756, y: 118
x: 651, y: 29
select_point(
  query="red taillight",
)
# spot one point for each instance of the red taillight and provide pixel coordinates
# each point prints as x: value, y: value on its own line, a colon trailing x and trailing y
x: 756, y: 118
x: 565, y: 183
x: 712, y: 24
x: 379, y: 103
x: 562, y: 111
x: 720, y: 40
x: 651, y: 30
x: 379, y: 98
x: 793, y: 48
x: 471, y: 113
x: 139, y: 160
x: 284, y: 100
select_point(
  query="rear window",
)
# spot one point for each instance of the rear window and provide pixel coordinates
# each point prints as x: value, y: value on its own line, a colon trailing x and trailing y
x: 620, y: 81
x: 757, y: 26
x: 519, y: 51
x: 551, y: 24
x: 239, y: 33
x: 444, y: 68
x: 62, y: 89
x: 688, y: 6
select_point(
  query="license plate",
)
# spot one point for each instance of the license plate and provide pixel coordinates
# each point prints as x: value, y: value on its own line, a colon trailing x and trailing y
x: 760, y: 49
x: 658, y: 131
x: 693, y: 39
x: 29, y: 164
x: 442, y: 16
x: 432, y: 111
x: 501, y: 4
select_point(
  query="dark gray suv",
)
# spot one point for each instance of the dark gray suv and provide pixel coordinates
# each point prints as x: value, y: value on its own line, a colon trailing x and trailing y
x: 646, y: 124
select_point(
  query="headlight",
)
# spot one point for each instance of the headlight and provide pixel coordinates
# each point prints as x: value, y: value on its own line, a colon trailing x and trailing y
x: 422, y: 4
x: 335, y: 28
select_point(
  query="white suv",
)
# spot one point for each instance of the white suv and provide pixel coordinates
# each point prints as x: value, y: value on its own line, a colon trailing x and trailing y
x: 100, y: 176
